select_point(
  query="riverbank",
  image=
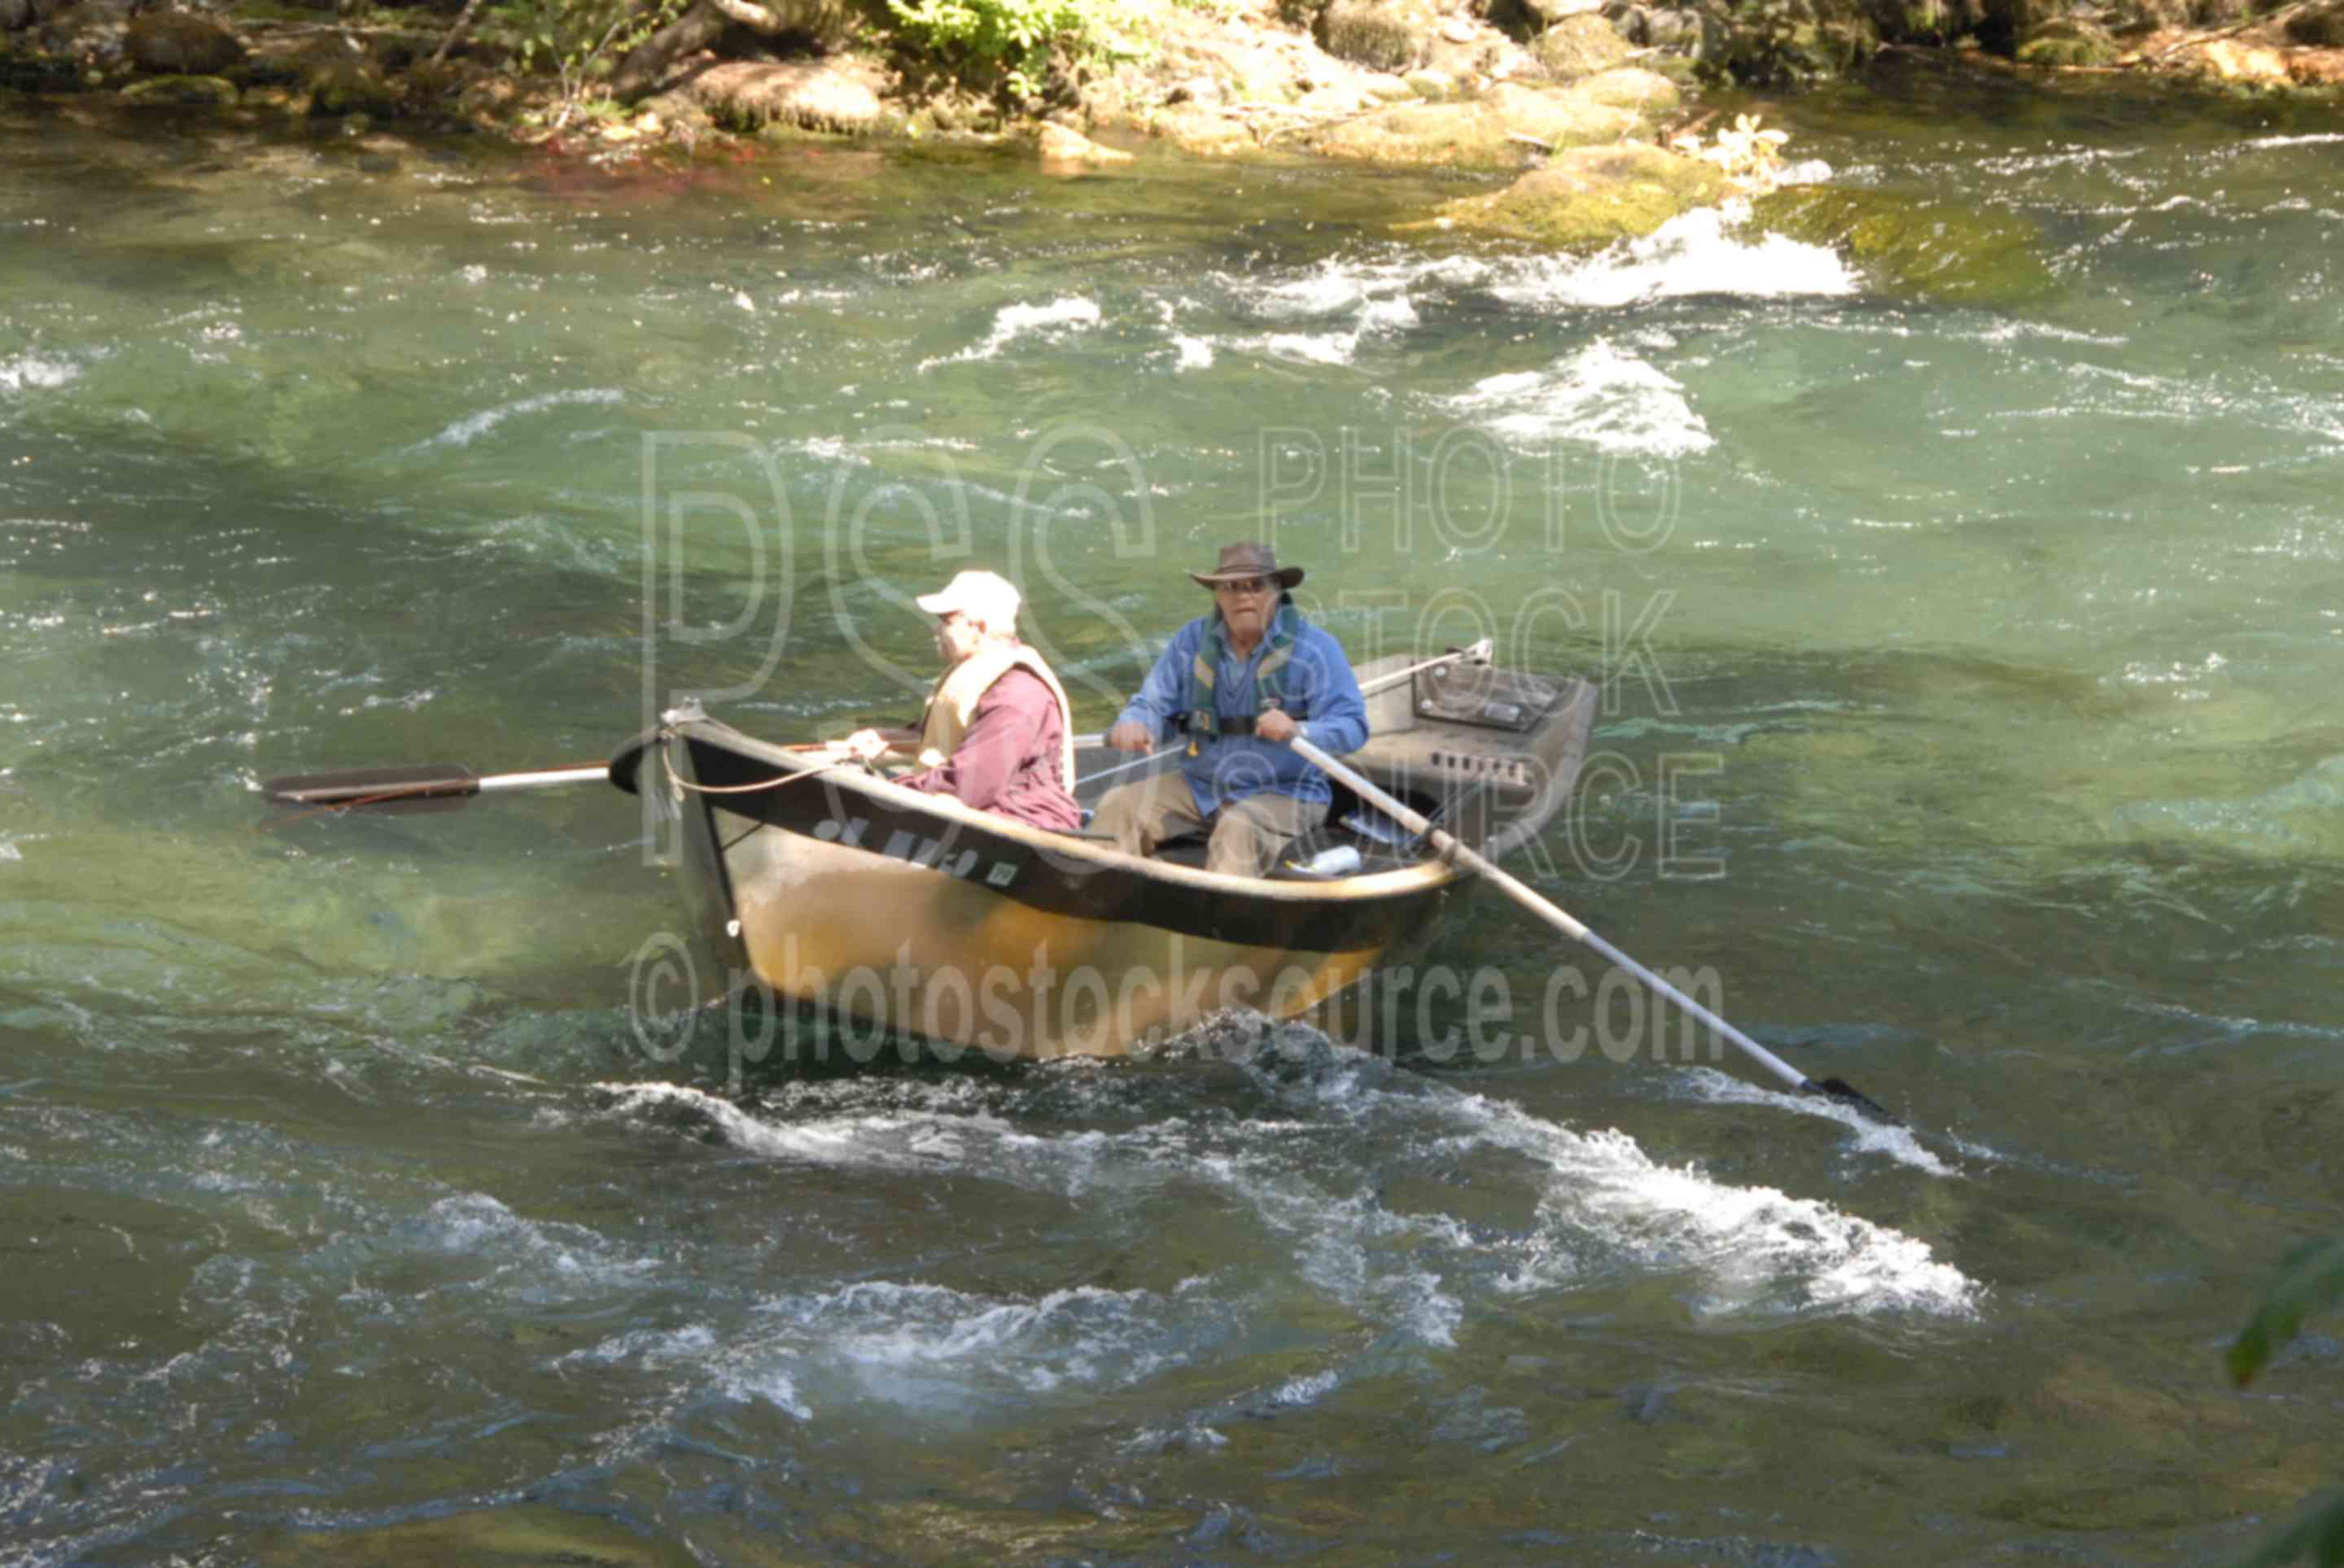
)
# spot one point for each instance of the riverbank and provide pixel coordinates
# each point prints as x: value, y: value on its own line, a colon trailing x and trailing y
x: 1490, y: 85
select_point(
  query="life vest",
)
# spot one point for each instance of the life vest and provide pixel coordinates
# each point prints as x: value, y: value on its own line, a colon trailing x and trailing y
x: 952, y: 704
x: 1204, y: 720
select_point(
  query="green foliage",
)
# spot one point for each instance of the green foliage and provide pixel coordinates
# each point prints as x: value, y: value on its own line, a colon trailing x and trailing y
x: 2317, y: 1536
x: 2311, y: 1278
x: 578, y: 42
x: 1015, y: 39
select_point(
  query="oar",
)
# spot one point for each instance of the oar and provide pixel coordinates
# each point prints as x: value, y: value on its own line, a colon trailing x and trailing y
x: 1447, y: 843
x: 428, y: 787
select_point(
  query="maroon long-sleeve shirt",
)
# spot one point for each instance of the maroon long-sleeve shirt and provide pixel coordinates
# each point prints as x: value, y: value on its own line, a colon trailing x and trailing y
x: 1008, y: 760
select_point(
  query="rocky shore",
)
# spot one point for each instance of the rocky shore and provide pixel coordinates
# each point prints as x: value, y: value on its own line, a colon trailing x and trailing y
x: 1591, y: 104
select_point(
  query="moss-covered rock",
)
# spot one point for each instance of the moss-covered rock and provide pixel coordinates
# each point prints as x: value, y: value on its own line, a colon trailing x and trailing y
x: 1590, y: 197
x: 1498, y: 131
x: 2068, y: 41
x: 1912, y: 245
x: 1578, y: 46
x: 182, y: 89
x: 1648, y: 92
x: 1386, y: 34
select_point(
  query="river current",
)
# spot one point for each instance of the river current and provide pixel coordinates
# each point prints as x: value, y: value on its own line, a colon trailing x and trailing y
x: 1971, y: 718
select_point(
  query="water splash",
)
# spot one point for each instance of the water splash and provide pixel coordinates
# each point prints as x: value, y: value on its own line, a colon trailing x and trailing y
x: 1702, y: 252
x: 1015, y: 321
x: 1600, y: 396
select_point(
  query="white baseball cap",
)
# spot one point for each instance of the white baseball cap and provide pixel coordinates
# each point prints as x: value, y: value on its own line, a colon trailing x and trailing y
x: 987, y: 597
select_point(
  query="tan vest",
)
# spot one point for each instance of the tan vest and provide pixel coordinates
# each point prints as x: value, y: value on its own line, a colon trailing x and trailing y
x: 954, y: 701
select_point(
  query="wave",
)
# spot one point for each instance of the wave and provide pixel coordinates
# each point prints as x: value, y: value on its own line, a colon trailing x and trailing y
x: 1601, y: 397
x: 1015, y: 321
x: 1702, y: 252
x: 467, y: 430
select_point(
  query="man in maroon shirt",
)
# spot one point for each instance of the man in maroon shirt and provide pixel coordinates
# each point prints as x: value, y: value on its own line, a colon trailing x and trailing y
x: 997, y: 731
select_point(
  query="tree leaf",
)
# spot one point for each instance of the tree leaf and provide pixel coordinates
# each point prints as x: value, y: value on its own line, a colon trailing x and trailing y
x: 2319, y: 1535
x: 2310, y: 1277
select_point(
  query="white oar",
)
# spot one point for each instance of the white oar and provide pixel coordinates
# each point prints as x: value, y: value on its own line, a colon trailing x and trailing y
x: 1561, y: 920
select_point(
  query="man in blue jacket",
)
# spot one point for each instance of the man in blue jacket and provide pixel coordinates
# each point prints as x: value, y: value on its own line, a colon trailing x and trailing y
x: 1236, y: 685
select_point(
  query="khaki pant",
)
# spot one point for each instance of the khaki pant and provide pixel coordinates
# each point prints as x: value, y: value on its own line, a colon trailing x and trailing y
x: 1247, y: 835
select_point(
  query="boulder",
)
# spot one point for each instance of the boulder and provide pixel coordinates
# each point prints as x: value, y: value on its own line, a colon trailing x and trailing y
x: 1551, y: 13
x: 840, y: 94
x: 1497, y: 131
x: 1382, y: 34
x: 180, y: 42
x: 2068, y: 41
x: 1202, y: 131
x: 2233, y: 60
x: 1631, y: 87
x: 1916, y: 245
x: 346, y: 83
x: 1580, y: 46
x: 1059, y: 144
x: 2319, y: 27
x: 1588, y: 198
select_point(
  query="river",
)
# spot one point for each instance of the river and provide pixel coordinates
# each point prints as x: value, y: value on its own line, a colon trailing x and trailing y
x: 1970, y: 717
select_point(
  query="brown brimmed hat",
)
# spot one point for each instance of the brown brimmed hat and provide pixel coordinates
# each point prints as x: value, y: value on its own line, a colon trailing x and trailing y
x: 1239, y: 562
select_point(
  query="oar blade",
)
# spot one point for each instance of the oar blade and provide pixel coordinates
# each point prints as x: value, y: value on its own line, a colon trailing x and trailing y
x: 420, y: 786
x: 1841, y: 1089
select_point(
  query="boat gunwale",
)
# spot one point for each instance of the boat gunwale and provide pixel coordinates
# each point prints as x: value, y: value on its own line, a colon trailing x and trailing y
x: 804, y: 761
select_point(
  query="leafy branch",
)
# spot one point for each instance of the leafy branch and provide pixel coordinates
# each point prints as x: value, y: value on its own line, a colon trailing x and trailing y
x: 2311, y: 1279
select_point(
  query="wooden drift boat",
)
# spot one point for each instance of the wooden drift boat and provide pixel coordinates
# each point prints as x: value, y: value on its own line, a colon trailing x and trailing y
x: 905, y: 914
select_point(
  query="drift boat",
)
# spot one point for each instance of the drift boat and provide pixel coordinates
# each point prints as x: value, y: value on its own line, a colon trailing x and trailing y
x: 896, y: 912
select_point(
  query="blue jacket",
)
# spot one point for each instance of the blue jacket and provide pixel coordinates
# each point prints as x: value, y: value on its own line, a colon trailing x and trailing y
x: 1321, y: 693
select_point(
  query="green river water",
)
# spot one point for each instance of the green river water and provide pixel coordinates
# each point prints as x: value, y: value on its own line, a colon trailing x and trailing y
x: 1972, y: 717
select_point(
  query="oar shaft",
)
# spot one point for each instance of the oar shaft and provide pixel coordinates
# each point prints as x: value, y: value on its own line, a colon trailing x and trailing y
x: 433, y: 786
x: 1552, y: 914
x: 547, y: 779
